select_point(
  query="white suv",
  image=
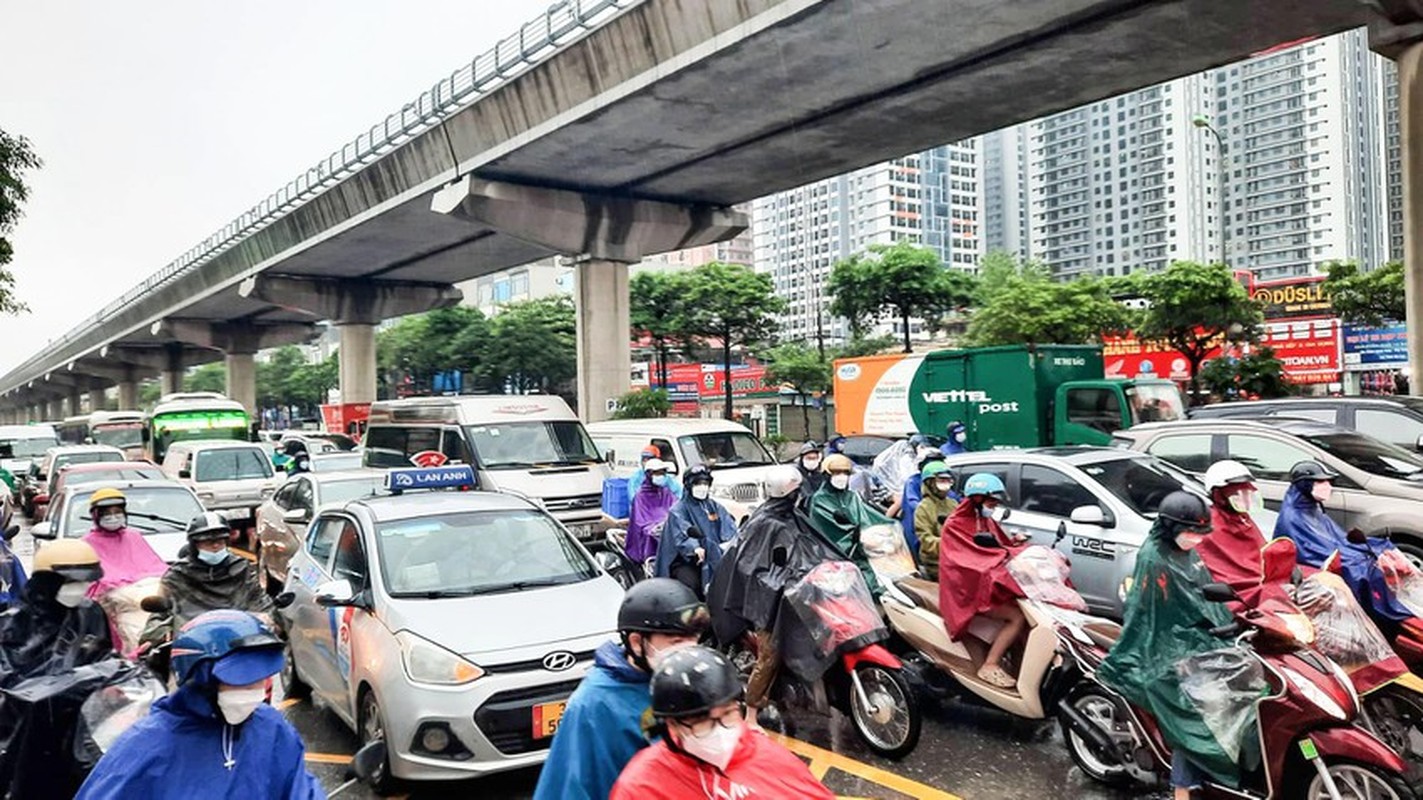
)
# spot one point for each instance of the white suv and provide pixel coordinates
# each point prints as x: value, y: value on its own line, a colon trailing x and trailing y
x: 229, y: 476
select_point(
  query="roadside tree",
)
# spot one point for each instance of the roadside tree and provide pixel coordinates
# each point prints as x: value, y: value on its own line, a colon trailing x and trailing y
x: 643, y: 404
x: 1259, y: 374
x: 734, y: 306
x: 1366, y: 298
x: 1194, y: 307
x: 207, y: 378
x: 902, y: 281
x: 17, y: 157
x: 658, y: 308
x: 803, y: 369
x: 532, y: 347
x: 1021, y: 304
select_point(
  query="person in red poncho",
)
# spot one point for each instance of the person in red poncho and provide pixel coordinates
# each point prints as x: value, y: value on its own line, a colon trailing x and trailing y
x: 973, y: 571
x: 1232, y: 551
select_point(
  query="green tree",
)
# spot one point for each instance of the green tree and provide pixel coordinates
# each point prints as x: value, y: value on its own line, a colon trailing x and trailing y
x: 643, y: 404
x: 734, y: 306
x: 803, y: 369
x: 464, y: 335
x: 148, y: 393
x: 275, y: 377
x: 310, y: 384
x: 1028, y: 307
x: 1260, y: 374
x: 207, y: 378
x: 858, y: 346
x: 1000, y: 267
x: 1366, y: 298
x: 16, y: 158
x: 902, y: 280
x: 532, y: 346
x: 1193, y: 307
x: 658, y: 308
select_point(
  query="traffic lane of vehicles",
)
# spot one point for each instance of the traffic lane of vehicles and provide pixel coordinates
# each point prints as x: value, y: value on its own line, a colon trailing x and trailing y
x: 966, y: 752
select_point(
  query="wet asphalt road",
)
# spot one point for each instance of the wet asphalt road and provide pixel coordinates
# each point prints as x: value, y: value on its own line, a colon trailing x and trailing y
x: 965, y: 750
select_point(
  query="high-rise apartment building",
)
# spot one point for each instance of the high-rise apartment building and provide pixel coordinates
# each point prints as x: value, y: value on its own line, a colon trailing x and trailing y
x: 1123, y: 184
x: 1005, y: 191
x: 1393, y: 160
x: 933, y: 198
x: 1304, y: 129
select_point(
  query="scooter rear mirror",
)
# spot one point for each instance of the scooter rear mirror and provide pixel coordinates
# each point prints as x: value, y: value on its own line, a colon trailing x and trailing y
x: 156, y: 604
x: 284, y: 599
x: 1357, y: 536
x: 368, y: 763
x: 1219, y: 593
x: 11, y: 532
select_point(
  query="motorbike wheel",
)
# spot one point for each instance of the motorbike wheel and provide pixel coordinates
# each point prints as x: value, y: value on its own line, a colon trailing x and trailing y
x: 1358, y: 782
x: 890, y: 725
x: 1397, y: 716
x: 1102, y: 710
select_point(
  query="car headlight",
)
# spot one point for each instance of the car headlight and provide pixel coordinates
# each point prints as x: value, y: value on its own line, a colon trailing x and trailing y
x: 723, y: 491
x: 267, y: 492
x: 1315, y: 694
x: 427, y: 662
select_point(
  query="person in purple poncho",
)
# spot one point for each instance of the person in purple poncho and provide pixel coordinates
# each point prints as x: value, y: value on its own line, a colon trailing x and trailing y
x: 650, y: 507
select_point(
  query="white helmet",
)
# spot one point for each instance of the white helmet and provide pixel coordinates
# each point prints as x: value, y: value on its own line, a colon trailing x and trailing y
x: 781, y: 480
x: 1226, y: 472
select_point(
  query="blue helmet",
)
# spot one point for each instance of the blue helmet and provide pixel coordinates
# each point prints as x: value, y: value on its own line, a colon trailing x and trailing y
x: 238, y: 648
x: 985, y: 483
x: 918, y: 440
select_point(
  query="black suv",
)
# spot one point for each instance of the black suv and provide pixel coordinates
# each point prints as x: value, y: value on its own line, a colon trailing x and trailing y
x: 1396, y: 420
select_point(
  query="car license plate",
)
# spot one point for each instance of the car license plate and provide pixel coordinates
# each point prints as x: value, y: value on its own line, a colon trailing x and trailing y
x: 546, y: 717
x: 582, y: 532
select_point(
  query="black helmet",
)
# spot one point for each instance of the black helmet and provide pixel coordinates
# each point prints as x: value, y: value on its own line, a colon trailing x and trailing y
x: 207, y: 526
x: 662, y: 605
x: 692, y: 681
x: 809, y: 447
x: 1184, y: 511
x: 697, y: 474
x: 1311, y: 471
x: 293, y: 447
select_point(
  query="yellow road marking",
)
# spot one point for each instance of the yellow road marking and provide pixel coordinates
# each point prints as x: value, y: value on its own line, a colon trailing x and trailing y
x: 327, y: 758
x: 884, y: 778
x: 287, y: 703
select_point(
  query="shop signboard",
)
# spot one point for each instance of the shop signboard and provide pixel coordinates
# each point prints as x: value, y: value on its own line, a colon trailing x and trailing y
x: 1368, y: 349
x: 1309, y: 349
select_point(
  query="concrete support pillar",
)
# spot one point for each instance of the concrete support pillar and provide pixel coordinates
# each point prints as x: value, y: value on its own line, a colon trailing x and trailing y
x: 357, y: 361
x: 242, y: 380
x: 55, y: 410
x: 170, y: 381
x: 97, y: 399
x: 604, y: 360
x: 1410, y: 96
x: 128, y: 395
x: 76, y: 403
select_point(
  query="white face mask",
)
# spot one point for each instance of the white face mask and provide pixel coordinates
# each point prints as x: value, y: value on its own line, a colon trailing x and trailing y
x: 840, y: 481
x: 960, y: 437
x: 716, y: 748
x: 1246, y: 502
x: 944, y: 487
x: 113, y: 522
x: 655, y: 656
x: 997, y: 513
x: 237, y: 705
x: 72, y: 593
x: 1188, y: 541
x: 700, y: 491
x: 810, y: 464
x: 1322, y: 491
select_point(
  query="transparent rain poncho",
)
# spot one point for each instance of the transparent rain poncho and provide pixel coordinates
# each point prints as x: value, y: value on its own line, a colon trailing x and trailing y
x: 126, y: 614
x: 1343, y: 631
x: 114, y: 708
x: 1043, y: 575
x: 837, y: 613
x: 887, y: 552
x: 1224, y: 685
x: 1403, y: 578
x: 895, y: 464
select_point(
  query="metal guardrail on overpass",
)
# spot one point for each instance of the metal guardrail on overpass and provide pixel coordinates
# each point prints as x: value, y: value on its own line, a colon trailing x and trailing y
x: 537, y: 39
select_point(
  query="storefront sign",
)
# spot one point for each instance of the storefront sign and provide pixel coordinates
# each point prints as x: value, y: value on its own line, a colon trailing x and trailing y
x: 1375, y: 348
x: 1309, y: 349
x: 1127, y: 357
x: 1298, y: 297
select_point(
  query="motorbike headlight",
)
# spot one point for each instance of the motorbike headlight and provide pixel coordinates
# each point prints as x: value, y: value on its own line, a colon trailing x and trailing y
x: 1315, y: 694
x: 427, y: 662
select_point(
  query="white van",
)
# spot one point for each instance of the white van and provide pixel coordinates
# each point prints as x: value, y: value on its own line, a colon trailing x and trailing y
x: 26, y: 444
x: 735, y: 456
x: 533, y: 445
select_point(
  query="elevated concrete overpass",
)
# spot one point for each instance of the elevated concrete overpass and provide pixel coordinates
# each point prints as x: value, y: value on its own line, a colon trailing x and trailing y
x: 615, y: 129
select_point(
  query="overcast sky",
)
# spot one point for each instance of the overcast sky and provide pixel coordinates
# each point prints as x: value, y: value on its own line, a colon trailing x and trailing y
x: 161, y: 121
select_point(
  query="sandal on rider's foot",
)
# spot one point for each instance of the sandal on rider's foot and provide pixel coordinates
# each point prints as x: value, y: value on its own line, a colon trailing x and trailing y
x: 996, y: 676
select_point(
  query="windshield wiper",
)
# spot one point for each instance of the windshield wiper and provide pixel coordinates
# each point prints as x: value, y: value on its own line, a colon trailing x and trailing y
x: 156, y: 518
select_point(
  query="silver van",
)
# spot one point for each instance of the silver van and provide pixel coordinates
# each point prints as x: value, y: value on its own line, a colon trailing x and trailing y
x: 532, y: 445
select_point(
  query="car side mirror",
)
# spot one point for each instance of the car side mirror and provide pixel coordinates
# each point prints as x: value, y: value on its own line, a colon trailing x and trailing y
x: 1089, y: 515
x: 1219, y: 593
x: 337, y: 593
x: 368, y: 764
x: 1418, y: 445
x: 295, y: 516
x: 284, y: 599
x: 11, y: 532
x: 185, y: 474
x: 42, y: 530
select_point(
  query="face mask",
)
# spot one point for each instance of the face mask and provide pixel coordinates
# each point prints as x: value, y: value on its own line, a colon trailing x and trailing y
x: 996, y: 513
x: 113, y: 522
x: 1245, y: 502
x: 1188, y: 541
x: 701, y: 491
x: 659, y: 480
x: 1322, y: 491
x: 70, y: 594
x: 960, y: 437
x: 810, y: 464
x: 841, y: 482
x: 655, y: 656
x: 213, y: 558
x: 238, y: 704
x: 944, y: 487
x: 716, y: 748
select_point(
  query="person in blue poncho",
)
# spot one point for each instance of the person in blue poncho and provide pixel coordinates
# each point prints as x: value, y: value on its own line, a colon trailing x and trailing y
x: 957, y: 439
x: 697, y: 529
x: 1317, y: 538
x: 913, y: 494
x: 609, y: 717
x: 12, y: 577
x: 213, y: 737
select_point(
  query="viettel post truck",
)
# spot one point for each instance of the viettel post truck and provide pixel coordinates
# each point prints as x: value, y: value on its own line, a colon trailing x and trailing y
x: 1013, y: 396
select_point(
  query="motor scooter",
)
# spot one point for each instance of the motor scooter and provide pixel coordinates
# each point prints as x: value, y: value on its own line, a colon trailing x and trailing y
x: 613, y: 558
x: 835, y: 660
x: 1309, y: 743
x: 1404, y: 580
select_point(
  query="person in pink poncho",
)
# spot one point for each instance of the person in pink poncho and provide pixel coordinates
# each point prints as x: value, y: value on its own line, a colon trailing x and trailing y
x: 124, y: 555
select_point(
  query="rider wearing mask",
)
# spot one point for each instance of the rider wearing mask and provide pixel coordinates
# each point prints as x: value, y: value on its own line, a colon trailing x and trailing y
x: 1318, y: 537
x: 774, y: 545
x: 209, y: 578
x: 931, y: 514
x: 913, y: 494
x: 56, y: 627
x: 1167, y: 620
x: 639, y: 476
x: 697, y: 529
x: 808, y: 461
x: 128, y: 560
x: 974, y: 552
x: 1232, y: 552
x: 957, y: 441
x: 839, y: 515
x: 708, y: 749
x: 607, y: 720
x: 650, y: 506
x: 213, y: 736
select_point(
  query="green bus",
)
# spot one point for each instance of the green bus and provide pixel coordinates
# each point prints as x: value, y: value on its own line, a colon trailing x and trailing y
x: 193, y: 415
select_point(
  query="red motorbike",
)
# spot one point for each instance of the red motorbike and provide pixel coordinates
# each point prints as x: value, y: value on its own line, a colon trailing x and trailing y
x: 1310, y: 745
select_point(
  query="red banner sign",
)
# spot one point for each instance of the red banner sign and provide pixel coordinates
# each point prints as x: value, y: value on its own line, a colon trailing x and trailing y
x: 1309, y: 349
x: 1128, y: 357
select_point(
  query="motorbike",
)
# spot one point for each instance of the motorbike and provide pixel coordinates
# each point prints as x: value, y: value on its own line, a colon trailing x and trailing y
x: 1061, y: 643
x: 837, y: 661
x: 1403, y: 579
x: 614, y: 560
x: 1310, y: 744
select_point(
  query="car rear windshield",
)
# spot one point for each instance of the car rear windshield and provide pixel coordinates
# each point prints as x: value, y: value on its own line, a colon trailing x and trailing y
x: 30, y: 447
x: 1141, y: 483
x: 232, y: 464
x: 477, y: 552
x: 93, y: 457
x: 353, y: 489
x: 724, y: 450
x: 525, y: 445
x: 151, y: 509
x: 1368, y: 454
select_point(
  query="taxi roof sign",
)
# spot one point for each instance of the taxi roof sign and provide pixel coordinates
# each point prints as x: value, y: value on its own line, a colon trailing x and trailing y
x: 451, y: 476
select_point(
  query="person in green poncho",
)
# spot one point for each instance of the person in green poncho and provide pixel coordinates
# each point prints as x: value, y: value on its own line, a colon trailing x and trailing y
x: 839, y: 515
x: 1168, y: 619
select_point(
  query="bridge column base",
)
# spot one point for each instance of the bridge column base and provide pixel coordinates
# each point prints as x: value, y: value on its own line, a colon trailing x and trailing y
x: 604, y: 359
x: 97, y: 400
x: 128, y: 395
x: 242, y: 380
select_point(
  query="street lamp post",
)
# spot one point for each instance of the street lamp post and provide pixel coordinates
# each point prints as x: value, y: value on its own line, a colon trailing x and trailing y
x: 1203, y: 121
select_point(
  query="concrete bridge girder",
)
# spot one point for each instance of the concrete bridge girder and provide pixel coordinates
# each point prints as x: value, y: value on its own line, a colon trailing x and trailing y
x: 238, y: 341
